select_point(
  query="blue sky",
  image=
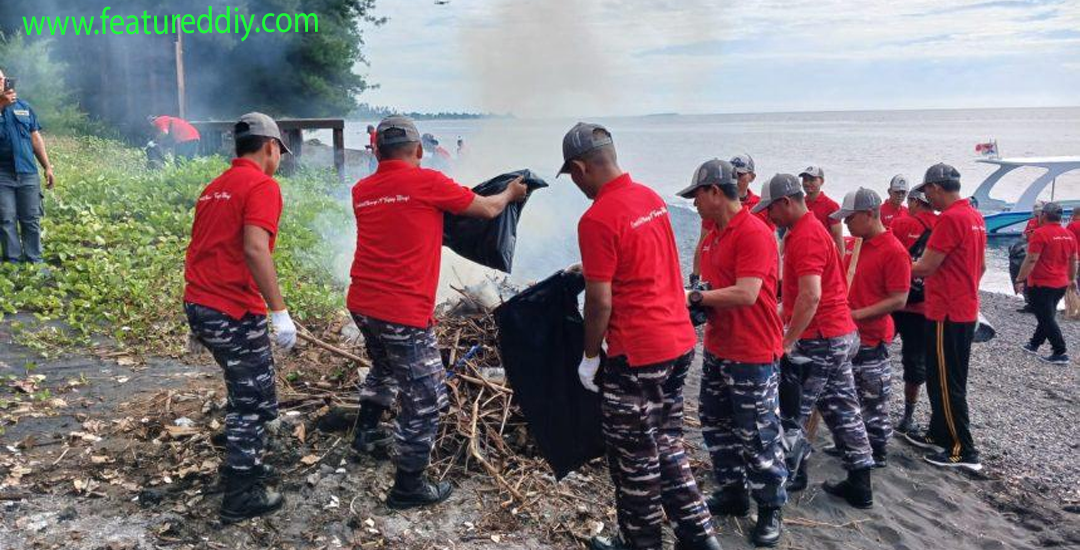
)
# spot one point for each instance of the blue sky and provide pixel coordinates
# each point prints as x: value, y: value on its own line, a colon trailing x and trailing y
x: 565, y: 58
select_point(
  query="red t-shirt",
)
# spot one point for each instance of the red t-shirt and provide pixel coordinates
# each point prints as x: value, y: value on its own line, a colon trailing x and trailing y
x: 626, y: 239
x: 823, y: 207
x: 215, y: 269
x: 909, y: 228
x: 1074, y: 227
x: 1055, y: 246
x: 952, y: 292
x: 884, y: 268
x: 179, y: 129
x: 748, y: 202
x: 889, y: 213
x: 745, y: 248
x: 399, y: 235
x: 1032, y: 225
x: 809, y: 249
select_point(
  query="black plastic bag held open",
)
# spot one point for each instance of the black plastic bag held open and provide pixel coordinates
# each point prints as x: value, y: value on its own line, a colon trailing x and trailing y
x: 490, y: 242
x: 541, y: 340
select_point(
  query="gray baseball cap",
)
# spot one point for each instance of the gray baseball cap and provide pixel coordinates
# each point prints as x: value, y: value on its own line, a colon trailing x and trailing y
x: 396, y: 129
x: 898, y: 183
x: 1052, y: 209
x: 918, y: 195
x: 780, y: 186
x: 813, y: 172
x: 580, y: 140
x: 258, y: 124
x: 712, y: 172
x: 859, y: 200
x: 743, y: 164
x: 939, y: 173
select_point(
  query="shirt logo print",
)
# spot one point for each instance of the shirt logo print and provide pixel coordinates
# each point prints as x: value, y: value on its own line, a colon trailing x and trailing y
x: 220, y: 195
x: 388, y: 199
x: 658, y: 213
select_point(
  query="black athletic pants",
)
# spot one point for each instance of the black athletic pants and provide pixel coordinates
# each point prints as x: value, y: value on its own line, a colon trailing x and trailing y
x: 1044, y: 302
x: 948, y: 353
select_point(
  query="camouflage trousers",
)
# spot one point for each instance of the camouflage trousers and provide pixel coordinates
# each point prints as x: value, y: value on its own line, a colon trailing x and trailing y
x: 642, y: 420
x: 406, y: 369
x: 242, y: 350
x: 740, y: 422
x: 873, y: 382
x: 820, y: 372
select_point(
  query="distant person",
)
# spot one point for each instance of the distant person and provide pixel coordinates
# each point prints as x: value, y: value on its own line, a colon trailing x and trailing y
x: 813, y: 179
x: 461, y: 150
x: 177, y: 134
x: 372, y: 148
x: 744, y: 168
x: 395, y: 272
x: 1033, y: 223
x: 20, y: 182
x: 820, y: 340
x: 1074, y: 226
x: 739, y: 406
x: 879, y: 286
x: 634, y: 301
x: 230, y: 280
x: 913, y: 231
x: 1048, y: 271
x: 431, y: 145
x: 953, y: 265
x: 894, y: 207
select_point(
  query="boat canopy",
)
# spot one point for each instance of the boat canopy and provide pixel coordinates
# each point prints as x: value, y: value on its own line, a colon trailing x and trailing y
x: 1055, y: 166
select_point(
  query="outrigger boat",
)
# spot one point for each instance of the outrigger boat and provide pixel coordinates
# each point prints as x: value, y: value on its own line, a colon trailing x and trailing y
x: 999, y: 214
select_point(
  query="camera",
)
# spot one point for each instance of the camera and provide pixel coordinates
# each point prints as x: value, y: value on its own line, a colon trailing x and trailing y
x: 699, y: 314
x: 9, y: 84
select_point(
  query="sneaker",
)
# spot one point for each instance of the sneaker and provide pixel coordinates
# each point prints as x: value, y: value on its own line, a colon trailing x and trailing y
x: 905, y: 426
x: 923, y: 440
x: 832, y: 450
x: 1029, y: 348
x: 968, y: 462
x: 1056, y: 359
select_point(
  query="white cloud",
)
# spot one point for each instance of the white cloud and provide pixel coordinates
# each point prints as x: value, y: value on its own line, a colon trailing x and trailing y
x: 564, y: 57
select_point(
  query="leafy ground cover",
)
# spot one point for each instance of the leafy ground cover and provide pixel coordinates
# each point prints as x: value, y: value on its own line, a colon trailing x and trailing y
x: 115, y: 235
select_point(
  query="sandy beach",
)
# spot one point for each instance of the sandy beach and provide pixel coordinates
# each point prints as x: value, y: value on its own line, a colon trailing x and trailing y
x: 1026, y: 497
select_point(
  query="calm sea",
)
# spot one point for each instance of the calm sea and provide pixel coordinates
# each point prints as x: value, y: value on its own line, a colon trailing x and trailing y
x: 854, y: 149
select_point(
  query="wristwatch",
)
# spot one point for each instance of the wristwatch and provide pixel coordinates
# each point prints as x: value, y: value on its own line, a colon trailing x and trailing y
x: 695, y: 297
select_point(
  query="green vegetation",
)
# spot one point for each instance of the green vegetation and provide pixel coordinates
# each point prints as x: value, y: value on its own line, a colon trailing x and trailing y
x: 115, y: 236
x: 41, y: 83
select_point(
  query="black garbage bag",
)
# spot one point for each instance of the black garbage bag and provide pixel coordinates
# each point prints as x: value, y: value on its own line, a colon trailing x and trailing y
x: 1017, y: 253
x: 541, y: 340
x: 490, y: 242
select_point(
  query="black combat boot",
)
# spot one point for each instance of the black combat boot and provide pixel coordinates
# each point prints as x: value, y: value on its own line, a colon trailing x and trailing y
x: 801, y: 477
x: 412, y: 489
x: 730, y: 500
x: 855, y: 489
x: 263, y: 472
x: 704, y: 544
x: 246, y: 497
x: 768, y: 527
x: 369, y: 438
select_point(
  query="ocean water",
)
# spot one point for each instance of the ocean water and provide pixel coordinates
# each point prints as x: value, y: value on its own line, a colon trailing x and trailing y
x: 854, y: 148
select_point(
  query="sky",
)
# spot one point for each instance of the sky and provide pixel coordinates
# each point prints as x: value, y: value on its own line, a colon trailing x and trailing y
x: 565, y: 58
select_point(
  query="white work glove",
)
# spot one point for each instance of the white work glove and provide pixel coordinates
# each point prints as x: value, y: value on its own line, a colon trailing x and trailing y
x: 573, y: 268
x: 284, y: 329
x: 587, y: 372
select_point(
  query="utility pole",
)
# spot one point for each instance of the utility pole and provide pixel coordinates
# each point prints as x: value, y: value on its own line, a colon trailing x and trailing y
x: 180, y: 86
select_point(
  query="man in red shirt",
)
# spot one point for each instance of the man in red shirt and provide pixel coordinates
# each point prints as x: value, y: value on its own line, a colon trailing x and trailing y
x: 913, y: 231
x: 744, y: 169
x: 230, y: 279
x: 879, y: 286
x: 1074, y: 225
x: 813, y: 178
x: 894, y: 207
x: 634, y: 300
x: 1033, y: 223
x: 740, y: 416
x: 952, y: 266
x: 177, y: 133
x: 819, y: 342
x: 1049, y: 269
x: 395, y: 272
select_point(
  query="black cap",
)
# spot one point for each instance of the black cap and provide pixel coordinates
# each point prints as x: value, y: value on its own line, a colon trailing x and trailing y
x: 580, y: 140
x: 712, y: 172
x: 939, y: 173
